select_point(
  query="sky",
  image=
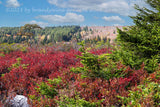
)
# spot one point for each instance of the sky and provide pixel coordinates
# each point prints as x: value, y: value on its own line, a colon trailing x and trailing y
x: 67, y: 12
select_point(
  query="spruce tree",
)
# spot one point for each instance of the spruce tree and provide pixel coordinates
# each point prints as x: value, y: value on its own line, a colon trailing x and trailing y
x: 143, y: 38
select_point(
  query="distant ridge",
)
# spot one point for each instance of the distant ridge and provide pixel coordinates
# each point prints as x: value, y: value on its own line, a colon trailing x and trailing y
x: 101, y: 31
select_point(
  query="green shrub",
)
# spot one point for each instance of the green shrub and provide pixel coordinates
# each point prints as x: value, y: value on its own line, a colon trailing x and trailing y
x: 143, y: 38
x: 144, y: 95
x: 2, y: 55
x: 76, y: 102
x: 98, y: 66
x: 47, y: 90
x: 129, y: 58
x: 126, y: 57
x: 18, y: 64
x: 7, y: 48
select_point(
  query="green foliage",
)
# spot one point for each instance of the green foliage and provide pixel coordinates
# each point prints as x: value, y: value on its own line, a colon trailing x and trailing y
x: 126, y: 57
x: 143, y: 39
x: 7, y: 48
x: 144, y: 95
x: 2, y: 75
x: 49, y: 90
x: 158, y: 73
x: 97, y: 66
x: 18, y: 64
x: 95, y: 40
x: 55, y: 81
x: 76, y: 102
x: 85, y: 28
x: 151, y: 64
x: 103, y: 44
x: 45, y: 89
x: 31, y: 33
x: 2, y: 55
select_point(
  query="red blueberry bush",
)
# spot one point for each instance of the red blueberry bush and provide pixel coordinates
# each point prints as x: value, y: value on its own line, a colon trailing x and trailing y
x: 47, y: 78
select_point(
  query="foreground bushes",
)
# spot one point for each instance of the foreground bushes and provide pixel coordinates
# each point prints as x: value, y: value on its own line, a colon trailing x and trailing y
x: 55, y: 78
x: 143, y: 95
x: 19, y: 71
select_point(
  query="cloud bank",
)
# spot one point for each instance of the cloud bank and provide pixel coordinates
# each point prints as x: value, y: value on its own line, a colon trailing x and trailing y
x: 69, y: 18
x: 122, y: 7
x: 12, y: 3
x: 113, y: 19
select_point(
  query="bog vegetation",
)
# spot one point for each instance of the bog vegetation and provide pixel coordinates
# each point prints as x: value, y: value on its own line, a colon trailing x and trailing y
x: 93, y: 73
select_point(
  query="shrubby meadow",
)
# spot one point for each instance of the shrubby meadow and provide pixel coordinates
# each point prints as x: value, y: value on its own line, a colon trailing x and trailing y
x: 92, y: 73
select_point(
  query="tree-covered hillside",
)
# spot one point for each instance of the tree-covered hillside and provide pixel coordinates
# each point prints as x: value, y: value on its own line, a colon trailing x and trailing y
x: 46, y: 35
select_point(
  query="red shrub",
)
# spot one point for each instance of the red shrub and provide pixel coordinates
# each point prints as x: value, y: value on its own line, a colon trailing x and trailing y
x: 53, y: 64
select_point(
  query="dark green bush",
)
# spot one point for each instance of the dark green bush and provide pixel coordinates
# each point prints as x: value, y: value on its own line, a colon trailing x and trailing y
x: 98, y: 66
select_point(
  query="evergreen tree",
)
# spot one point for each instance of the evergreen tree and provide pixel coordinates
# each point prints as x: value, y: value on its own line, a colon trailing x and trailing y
x: 143, y: 39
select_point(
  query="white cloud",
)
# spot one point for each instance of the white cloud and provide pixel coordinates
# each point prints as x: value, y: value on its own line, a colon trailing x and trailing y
x: 12, y: 3
x: 0, y: 2
x: 117, y: 25
x: 122, y: 7
x: 71, y: 18
x: 42, y: 24
x: 113, y: 19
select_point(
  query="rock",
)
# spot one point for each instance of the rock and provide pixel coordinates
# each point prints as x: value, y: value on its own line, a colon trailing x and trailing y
x: 19, y: 101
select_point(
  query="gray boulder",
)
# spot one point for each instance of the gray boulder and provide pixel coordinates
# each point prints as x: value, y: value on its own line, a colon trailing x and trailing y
x: 19, y: 101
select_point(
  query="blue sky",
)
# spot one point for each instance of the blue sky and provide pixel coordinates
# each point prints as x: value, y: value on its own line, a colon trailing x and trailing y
x: 67, y: 12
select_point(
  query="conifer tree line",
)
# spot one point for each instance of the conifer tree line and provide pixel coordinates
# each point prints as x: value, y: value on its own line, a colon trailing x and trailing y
x: 33, y: 31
